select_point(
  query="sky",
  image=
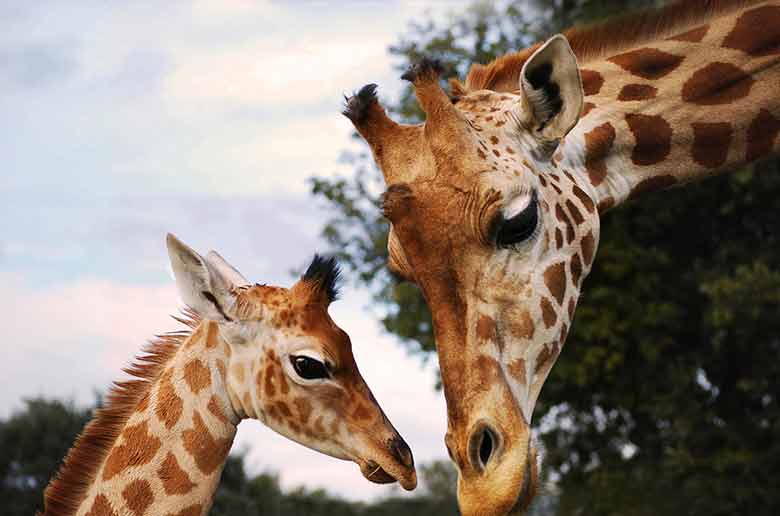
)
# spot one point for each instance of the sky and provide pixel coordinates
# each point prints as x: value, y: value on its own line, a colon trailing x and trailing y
x: 122, y: 121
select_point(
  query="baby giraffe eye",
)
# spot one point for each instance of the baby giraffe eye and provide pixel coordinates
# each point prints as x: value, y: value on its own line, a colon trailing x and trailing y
x: 519, y: 227
x: 309, y: 368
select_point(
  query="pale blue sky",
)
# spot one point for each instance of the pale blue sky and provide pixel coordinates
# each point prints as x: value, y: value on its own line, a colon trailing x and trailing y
x: 121, y: 121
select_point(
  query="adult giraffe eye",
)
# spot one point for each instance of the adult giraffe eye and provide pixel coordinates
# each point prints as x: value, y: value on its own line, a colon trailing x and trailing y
x: 519, y: 227
x: 309, y: 368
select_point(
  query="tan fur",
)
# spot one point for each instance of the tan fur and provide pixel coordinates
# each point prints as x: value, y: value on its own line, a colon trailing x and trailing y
x: 66, y: 492
x: 161, y: 441
x: 603, y: 39
x: 667, y: 97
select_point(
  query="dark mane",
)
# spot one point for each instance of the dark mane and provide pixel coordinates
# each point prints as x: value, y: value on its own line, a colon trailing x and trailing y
x: 69, y: 487
x: 604, y: 39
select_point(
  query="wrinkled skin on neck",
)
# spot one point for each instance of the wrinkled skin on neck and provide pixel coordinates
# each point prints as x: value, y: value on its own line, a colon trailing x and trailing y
x: 499, y: 238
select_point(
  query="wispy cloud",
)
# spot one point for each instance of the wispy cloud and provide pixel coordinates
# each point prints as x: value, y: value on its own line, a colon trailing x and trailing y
x: 122, y: 122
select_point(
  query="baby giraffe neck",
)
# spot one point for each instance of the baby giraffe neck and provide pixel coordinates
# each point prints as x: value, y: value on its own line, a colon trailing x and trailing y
x: 170, y: 453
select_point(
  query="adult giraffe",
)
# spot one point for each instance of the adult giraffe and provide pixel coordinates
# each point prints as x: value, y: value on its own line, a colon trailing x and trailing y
x: 494, y: 201
x: 254, y: 351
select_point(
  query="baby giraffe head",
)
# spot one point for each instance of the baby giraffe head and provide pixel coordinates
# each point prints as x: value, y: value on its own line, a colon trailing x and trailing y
x: 290, y: 366
x: 499, y: 236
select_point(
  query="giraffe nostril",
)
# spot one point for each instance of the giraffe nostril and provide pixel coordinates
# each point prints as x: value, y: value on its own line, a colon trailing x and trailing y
x: 482, y: 446
x: 486, y: 448
x: 401, y: 451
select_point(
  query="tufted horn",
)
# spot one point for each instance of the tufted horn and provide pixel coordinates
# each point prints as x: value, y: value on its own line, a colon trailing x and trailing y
x: 397, y: 148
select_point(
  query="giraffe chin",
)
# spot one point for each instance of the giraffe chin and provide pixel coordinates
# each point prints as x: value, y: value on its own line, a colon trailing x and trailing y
x: 375, y: 473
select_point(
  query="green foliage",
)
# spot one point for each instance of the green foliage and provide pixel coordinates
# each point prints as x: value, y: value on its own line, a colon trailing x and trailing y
x: 665, y: 400
x: 32, y: 444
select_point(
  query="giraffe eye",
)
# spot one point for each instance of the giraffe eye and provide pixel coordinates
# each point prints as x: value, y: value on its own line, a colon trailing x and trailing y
x: 519, y: 227
x: 309, y: 368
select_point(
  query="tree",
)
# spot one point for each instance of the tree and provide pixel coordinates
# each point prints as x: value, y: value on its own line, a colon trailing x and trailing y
x: 33, y: 441
x: 665, y: 398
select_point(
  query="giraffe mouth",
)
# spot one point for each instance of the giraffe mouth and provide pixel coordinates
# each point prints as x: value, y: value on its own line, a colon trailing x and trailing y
x: 375, y: 473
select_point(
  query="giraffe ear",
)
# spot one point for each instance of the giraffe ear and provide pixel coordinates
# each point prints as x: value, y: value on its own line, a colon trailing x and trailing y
x: 202, y: 286
x: 552, y: 90
x: 215, y: 260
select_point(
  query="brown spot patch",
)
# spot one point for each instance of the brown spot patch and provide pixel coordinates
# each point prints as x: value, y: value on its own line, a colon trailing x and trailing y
x: 143, y: 403
x: 548, y: 313
x: 521, y: 325
x: 517, y: 370
x: 169, y: 405
x: 756, y: 32
x: 653, y: 137
x: 652, y: 184
x: 575, y: 212
x: 361, y: 412
x: 494, y: 140
x: 693, y: 35
x: 564, y: 333
x: 270, y: 387
x: 587, y: 108
x: 138, y: 496
x: 588, y: 245
x: 598, y: 144
x: 546, y: 358
x: 562, y: 217
x: 212, y: 336
x: 285, y: 387
x: 101, y: 507
x: 283, y: 409
x: 216, y: 410
x: 192, y: 510
x: 555, y: 279
x: 576, y: 270
x: 716, y: 84
x: 761, y: 135
x: 632, y: 92
x: 174, y: 479
x: 592, y: 82
x: 583, y: 197
x: 606, y: 203
x: 558, y: 238
x: 138, y: 448
x: 647, y: 63
x: 209, y: 453
x: 486, y: 328
x: 711, y: 143
x: 197, y: 375
x: 304, y: 408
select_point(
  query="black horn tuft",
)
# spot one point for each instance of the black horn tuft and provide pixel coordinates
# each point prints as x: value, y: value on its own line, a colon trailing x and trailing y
x: 324, y: 273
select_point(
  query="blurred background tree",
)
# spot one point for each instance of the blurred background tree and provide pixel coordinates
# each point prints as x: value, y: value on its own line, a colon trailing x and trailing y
x: 665, y: 400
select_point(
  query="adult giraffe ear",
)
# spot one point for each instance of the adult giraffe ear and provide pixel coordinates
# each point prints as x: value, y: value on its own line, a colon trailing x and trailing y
x: 202, y: 286
x: 552, y: 90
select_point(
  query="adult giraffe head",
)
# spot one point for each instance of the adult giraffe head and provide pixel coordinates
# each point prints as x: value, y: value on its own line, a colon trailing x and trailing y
x: 494, y: 202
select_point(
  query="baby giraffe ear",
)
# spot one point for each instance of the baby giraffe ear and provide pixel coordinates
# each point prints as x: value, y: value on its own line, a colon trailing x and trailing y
x: 215, y: 261
x: 552, y: 90
x: 202, y: 286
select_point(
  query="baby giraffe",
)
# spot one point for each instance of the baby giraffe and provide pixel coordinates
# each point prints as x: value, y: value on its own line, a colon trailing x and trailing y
x: 252, y: 351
